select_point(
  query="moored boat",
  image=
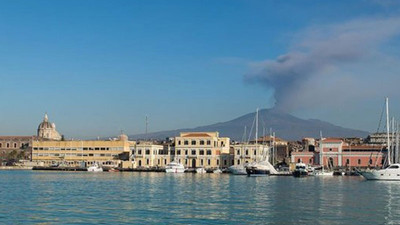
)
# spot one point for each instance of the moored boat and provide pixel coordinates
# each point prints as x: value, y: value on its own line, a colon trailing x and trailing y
x: 201, y: 170
x: 301, y: 170
x: 174, y: 167
x: 238, y: 170
x: 95, y: 168
x: 217, y: 171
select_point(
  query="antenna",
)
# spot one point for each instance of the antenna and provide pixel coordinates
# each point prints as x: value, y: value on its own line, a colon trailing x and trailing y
x: 147, y: 124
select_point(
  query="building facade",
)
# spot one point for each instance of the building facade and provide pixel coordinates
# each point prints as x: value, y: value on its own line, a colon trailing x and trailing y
x: 247, y: 153
x: 15, y: 147
x: 79, y: 153
x: 149, y: 154
x: 202, y: 149
x: 336, y: 153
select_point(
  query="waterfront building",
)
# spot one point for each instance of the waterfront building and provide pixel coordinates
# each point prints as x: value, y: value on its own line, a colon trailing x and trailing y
x: 15, y: 147
x: 250, y: 152
x: 148, y: 154
x: 80, y: 153
x: 47, y: 130
x: 202, y: 149
x: 338, y: 153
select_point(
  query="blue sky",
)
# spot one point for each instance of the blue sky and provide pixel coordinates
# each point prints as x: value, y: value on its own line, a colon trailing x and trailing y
x: 98, y: 67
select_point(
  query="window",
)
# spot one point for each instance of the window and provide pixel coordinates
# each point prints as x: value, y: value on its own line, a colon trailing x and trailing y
x: 217, y: 161
x: 330, y: 149
x: 186, y: 152
x: 299, y: 161
x: 140, y: 162
x: 208, y: 152
x: 147, y: 151
x: 1, y: 145
x: 139, y: 152
x: 178, y: 152
x: 255, y: 152
x: 186, y: 142
x: 201, y: 142
x: 179, y: 142
x: 165, y: 161
x: 201, y: 162
x: 238, y: 162
x: 347, y: 161
x: 147, y: 161
x: 359, y: 161
x: 208, y: 142
x: 247, y: 152
x: 8, y: 145
x: 225, y: 162
x: 193, y: 152
x: 209, y: 162
x: 201, y: 152
x: 193, y: 142
x: 310, y: 161
x: 15, y: 145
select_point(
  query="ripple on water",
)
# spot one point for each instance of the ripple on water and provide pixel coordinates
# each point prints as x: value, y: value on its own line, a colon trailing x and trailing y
x: 34, y: 197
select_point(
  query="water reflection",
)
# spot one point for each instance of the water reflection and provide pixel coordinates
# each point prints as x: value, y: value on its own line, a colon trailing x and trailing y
x: 30, y: 197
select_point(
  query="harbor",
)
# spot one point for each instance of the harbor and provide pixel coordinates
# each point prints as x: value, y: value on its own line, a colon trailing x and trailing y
x: 139, y: 198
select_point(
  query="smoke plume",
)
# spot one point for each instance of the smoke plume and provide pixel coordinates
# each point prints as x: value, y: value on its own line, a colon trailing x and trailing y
x: 321, y: 52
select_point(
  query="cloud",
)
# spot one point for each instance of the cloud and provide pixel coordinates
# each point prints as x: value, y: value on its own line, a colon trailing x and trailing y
x: 327, y: 59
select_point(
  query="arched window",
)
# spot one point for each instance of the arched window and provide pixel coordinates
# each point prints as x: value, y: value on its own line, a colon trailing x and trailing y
x: 140, y: 162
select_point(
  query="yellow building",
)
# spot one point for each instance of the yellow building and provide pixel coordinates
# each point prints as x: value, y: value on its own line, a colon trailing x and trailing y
x: 148, y: 154
x: 250, y: 152
x: 201, y: 149
x: 73, y: 153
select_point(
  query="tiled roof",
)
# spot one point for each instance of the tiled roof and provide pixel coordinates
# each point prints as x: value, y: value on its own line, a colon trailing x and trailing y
x: 196, y: 135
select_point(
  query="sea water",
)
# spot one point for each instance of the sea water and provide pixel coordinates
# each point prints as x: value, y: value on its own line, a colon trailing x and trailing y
x: 46, y: 197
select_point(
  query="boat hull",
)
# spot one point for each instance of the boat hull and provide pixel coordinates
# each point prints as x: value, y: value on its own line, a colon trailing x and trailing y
x: 380, y: 175
x: 299, y: 173
x: 175, y: 170
x: 254, y: 172
x: 236, y: 171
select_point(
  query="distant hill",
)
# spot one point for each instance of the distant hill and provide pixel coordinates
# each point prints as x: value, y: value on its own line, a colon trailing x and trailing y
x: 284, y: 125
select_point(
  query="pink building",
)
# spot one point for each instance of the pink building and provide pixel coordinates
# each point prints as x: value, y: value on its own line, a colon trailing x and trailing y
x: 337, y: 153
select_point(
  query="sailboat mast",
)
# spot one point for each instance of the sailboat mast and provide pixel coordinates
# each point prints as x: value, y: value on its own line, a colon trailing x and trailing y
x: 321, y: 151
x: 257, y: 127
x: 388, y: 129
x: 397, y: 143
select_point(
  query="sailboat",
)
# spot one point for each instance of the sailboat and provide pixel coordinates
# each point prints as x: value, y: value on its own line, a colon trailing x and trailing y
x: 322, y: 172
x: 392, y: 171
x: 263, y: 167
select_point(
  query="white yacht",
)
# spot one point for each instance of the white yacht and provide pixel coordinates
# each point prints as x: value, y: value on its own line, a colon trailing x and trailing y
x: 238, y: 170
x: 174, y: 167
x: 95, y: 168
x: 201, y: 170
x: 389, y: 173
x: 217, y: 171
x: 392, y: 171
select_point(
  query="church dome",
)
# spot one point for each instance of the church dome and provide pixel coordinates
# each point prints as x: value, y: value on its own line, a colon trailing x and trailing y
x: 45, y: 124
x: 47, y: 130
